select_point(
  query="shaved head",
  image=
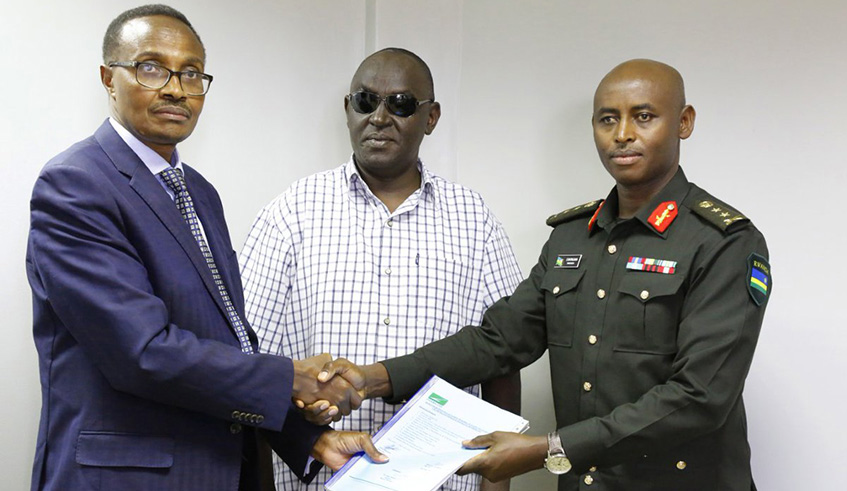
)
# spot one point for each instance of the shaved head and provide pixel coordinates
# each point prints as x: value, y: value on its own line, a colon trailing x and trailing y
x: 393, y: 56
x: 641, y: 71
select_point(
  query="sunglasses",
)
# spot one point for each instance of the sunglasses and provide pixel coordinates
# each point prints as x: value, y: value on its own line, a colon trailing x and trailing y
x: 402, y: 105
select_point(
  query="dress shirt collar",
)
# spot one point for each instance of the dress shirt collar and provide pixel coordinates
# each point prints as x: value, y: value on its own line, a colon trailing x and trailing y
x: 151, y: 159
x: 426, y: 191
x: 675, y: 190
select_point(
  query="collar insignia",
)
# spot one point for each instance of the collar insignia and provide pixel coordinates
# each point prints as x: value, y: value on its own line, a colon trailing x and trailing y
x: 664, y: 215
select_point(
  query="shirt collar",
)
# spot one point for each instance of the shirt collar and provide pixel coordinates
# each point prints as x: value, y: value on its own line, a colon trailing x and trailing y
x: 151, y: 159
x: 674, y: 191
x: 351, y: 174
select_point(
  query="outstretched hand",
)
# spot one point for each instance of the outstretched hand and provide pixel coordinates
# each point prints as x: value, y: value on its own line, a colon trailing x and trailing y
x: 507, y: 455
x: 368, y: 381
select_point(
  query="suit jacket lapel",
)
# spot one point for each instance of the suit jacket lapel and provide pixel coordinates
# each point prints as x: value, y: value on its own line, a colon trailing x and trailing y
x: 143, y: 182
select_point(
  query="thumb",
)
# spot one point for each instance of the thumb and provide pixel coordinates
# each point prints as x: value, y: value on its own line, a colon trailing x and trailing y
x: 370, y: 449
x: 332, y: 368
x: 482, y: 441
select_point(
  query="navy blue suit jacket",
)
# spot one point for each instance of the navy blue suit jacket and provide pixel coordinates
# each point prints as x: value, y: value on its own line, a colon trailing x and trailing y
x: 143, y: 382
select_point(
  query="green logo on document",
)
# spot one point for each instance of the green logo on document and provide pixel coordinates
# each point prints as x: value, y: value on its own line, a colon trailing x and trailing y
x: 437, y: 399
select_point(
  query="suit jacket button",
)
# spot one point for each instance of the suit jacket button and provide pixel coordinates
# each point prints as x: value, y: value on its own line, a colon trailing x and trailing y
x: 259, y: 419
x: 235, y: 428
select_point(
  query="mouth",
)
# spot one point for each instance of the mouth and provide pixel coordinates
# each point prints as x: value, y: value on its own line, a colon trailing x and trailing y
x: 376, y: 140
x: 173, y: 113
x: 624, y: 157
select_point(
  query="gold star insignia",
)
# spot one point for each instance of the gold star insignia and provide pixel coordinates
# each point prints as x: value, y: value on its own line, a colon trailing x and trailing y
x: 705, y: 204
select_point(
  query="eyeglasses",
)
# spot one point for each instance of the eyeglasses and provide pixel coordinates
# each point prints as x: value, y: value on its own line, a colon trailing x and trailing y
x: 155, y: 76
x: 402, y: 105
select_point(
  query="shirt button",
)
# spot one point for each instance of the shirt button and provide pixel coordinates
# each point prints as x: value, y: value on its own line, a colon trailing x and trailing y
x: 588, y: 480
x: 586, y: 386
x: 681, y: 465
x: 387, y: 271
x: 612, y: 249
x: 556, y: 290
x: 601, y: 293
x: 390, y: 222
x: 386, y: 321
x: 235, y: 428
x: 644, y: 294
x: 592, y: 339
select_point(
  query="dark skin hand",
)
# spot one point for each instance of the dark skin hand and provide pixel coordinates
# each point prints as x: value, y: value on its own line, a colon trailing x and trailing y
x: 334, y: 448
x: 508, y: 455
x: 336, y: 396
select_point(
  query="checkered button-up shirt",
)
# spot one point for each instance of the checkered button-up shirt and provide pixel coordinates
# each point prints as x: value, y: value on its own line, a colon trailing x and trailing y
x: 327, y: 268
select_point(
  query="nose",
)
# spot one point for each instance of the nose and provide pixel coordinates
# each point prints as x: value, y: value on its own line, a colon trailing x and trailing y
x: 173, y: 88
x: 380, y: 117
x: 624, y: 131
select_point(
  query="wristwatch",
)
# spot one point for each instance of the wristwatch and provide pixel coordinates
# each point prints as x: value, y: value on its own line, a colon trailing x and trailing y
x: 556, y: 462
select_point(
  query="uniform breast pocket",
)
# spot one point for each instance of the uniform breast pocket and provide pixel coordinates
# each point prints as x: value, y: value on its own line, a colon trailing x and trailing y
x: 560, y: 292
x: 649, y: 311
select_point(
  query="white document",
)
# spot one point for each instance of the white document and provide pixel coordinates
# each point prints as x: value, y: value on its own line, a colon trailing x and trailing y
x: 424, y: 441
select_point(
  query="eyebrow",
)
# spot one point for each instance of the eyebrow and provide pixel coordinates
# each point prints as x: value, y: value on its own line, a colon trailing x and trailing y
x: 155, y: 54
x: 642, y: 107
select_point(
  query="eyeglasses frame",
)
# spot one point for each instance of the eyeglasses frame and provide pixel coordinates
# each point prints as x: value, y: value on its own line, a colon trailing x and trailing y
x: 171, y: 73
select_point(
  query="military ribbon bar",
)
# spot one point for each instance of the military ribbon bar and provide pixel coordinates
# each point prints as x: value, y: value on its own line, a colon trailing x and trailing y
x: 651, y: 265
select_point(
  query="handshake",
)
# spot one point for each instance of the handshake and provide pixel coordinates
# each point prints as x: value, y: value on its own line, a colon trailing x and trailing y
x: 325, y: 389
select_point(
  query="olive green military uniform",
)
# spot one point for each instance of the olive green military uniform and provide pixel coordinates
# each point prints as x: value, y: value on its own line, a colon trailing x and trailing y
x: 651, y: 324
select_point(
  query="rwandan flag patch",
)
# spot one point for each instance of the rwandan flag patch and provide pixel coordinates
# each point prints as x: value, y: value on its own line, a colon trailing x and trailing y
x: 651, y: 265
x: 758, y: 278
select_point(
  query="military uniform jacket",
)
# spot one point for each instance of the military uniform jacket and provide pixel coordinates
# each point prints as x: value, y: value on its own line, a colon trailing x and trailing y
x: 651, y: 324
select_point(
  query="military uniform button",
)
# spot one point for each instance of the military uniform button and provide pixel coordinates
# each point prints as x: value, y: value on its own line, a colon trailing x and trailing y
x: 681, y: 465
x: 612, y: 249
x: 644, y: 294
x: 592, y: 339
x: 601, y: 293
x: 556, y: 290
x: 593, y: 468
x: 386, y: 321
x: 588, y: 480
x: 235, y: 428
x: 586, y: 386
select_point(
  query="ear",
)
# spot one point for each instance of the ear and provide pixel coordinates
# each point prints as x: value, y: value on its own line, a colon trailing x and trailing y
x: 686, y: 121
x: 106, y: 80
x: 433, y: 117
x: 346, y: 102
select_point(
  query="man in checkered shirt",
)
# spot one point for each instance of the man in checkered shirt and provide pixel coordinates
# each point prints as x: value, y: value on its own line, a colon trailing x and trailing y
x: 379, y: 256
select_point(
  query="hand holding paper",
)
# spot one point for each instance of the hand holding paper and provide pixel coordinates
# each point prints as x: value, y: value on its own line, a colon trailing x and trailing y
x: 334, y: 448
x: 507, y: 455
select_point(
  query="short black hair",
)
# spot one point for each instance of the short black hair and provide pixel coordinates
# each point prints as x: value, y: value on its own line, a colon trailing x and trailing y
x: 111, y: 41
x: 416, y: 58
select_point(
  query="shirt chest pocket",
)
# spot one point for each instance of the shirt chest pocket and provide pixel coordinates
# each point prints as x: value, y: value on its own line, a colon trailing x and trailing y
x: 648, y: 317
x: 560, y: 292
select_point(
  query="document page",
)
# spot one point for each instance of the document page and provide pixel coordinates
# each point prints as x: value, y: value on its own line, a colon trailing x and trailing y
x: 424, y: 441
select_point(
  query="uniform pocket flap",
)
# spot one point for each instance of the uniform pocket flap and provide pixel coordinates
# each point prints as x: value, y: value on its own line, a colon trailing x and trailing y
x: 558, y: 282
x: 646, y: 286
x: 106, y: 449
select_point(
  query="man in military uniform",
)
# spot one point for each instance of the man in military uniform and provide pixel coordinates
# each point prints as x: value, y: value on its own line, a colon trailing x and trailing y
x: 650, y: 304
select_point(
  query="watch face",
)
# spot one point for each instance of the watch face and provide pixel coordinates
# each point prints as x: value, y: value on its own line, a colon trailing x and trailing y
x: 558, y: 464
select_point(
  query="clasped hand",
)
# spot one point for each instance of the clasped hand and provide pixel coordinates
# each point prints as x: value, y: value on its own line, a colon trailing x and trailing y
x: 327, y: 398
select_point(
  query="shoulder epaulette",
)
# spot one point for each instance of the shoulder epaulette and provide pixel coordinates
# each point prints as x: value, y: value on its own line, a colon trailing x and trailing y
x: 575, y: 212
x: 716, y: 212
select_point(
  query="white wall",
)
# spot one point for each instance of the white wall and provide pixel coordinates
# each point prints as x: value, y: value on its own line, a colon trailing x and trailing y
x: 515, y: 80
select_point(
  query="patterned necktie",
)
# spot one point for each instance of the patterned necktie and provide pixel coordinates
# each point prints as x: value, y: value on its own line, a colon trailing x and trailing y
x: 175, y: 180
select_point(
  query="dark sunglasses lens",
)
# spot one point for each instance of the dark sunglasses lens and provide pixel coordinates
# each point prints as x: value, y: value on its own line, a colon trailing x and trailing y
x: 402, y: 105
x: 364, y: 102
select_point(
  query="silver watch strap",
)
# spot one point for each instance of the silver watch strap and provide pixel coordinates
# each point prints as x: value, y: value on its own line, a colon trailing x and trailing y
x: 554, y: 444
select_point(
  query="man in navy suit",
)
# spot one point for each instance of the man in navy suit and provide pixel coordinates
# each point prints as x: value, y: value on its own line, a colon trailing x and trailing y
x: 149, y: 373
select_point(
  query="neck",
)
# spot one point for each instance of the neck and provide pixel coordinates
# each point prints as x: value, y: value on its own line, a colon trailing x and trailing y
x: 631, y: 198
x: 392, y: 190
